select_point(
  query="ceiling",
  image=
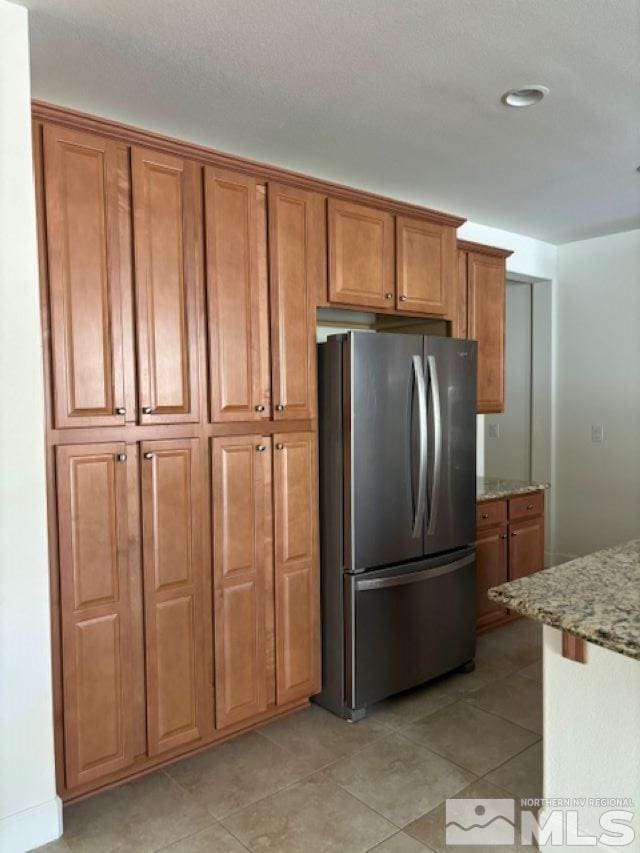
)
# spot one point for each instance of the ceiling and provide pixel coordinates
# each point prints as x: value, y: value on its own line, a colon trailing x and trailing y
x: 400, y: 97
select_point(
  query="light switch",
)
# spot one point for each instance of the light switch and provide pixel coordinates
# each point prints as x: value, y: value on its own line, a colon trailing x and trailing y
x: 597, y: 433
x: 494, y: 430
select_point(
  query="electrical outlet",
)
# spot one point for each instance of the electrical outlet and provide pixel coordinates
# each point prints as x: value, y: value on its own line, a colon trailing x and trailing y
x: 597, y: 433
x: 494, y: 430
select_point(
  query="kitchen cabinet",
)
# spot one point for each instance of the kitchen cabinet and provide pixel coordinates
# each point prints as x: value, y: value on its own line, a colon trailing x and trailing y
x: 482, y: 288
x: 509, y: 545
x: 426, y: 261
x: 164, y: 192
x: 361, y: 255
x: 178, y: 697
x: 83, y: 257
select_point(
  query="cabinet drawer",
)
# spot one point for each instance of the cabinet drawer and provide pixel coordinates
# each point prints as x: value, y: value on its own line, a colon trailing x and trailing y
x: 490, y: 513
x: 526, y: 506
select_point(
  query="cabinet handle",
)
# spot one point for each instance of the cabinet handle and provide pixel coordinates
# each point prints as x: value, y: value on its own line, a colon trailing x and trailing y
x: 485, y: 515
x: 121, y: 411
x: 403, y: 299
x: 261, y: 448
x: 503, y: 535
x: 529, y: 506
x: 514, y: 533
x: 259, y: 407
x: 122, y: 457
x: 279, y: 408
x: 147, y: 410
x: 279, y: 445
x: 148, y: 455
x: 388, y: 296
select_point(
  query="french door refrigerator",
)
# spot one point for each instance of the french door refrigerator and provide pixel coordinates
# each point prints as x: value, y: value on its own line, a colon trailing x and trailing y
x: 397, y: 424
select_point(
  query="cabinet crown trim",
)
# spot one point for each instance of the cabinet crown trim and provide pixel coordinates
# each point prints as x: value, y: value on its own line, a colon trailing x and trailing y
x: 484, y: 249
x: 44, y: 111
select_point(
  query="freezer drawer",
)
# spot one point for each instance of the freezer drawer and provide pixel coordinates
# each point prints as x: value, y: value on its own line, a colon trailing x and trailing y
x: 410, y: 624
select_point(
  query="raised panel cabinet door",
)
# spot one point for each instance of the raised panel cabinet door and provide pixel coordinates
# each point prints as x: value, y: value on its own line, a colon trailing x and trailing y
x: 426, y: 267
x: 241, y: 561
x: 526, y: 548
x: 361, y: 255
x: 491, y: 570
x: 296, y: 265
x: 166, y: 285
x: 81, y: 191
x: 296, y: 567
x: 486, y: 294
x: 235, y: 226
x: 95, y: 610
x: 177, y: 695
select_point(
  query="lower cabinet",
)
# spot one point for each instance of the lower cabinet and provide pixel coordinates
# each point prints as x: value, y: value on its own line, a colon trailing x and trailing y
x: 151, y: 665
x: 509, y: 545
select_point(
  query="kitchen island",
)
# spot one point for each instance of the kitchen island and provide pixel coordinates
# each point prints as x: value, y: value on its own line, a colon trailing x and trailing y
x: 590, y: 609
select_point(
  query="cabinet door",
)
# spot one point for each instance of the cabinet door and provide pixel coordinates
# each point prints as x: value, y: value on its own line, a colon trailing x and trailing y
x: 426, y: 264
x: 526, y: 548
x: 177, y: 695
x: 296, y: 265
x: 491, y: 570
x: 236, y: 294
x: 486, y: 294
x: 241, y: 490
x: 296, y: 567
x: 81, y: 190
x: 361, y: 255
x: 95, y: 609
x: 166, y: 284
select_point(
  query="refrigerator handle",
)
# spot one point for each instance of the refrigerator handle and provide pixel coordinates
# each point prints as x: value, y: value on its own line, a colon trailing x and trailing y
x: 418, y: 516
x: 434, y: 387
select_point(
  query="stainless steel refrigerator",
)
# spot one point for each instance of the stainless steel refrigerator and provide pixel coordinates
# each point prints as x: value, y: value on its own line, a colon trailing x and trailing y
x: 397, y: 423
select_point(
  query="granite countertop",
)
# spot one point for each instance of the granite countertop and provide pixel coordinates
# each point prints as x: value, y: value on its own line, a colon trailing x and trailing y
x: 493, y: 488
x: 595, y: 597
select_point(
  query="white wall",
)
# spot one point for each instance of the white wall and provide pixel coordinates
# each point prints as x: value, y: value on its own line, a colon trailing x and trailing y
x: 597, y: 381
x: 30, y: 812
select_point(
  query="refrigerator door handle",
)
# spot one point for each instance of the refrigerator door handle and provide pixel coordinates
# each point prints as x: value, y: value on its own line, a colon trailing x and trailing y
x: 418, y: 516
x: 434, y: 387
x: 363, y: 584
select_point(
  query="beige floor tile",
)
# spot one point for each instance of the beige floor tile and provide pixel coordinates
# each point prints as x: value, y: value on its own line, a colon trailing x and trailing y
x: 430, y: 829
x: 311, y: 816
x: 514, y: 698
x: 215, y: 839
x: 522, y: 774
x: 58, y: 846
x: 470, y: 737
x: 533, y: 671
x: 411, y: 705
x: 512, y: 647
x: 143, y: 816
x: 399, y: 843
x: 398, y: 778
x: 239, y: 772
x: 322, y: 737
x: 484, y: 673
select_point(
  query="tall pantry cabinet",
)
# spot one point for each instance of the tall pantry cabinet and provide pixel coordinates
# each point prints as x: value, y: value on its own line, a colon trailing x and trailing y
x: 179, y: 328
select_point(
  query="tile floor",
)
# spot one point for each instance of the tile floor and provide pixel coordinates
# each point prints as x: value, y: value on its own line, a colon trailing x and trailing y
x: 312, y: 782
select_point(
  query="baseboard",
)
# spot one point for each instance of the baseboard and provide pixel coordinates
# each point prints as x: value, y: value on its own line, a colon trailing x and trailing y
x: 32, y: 827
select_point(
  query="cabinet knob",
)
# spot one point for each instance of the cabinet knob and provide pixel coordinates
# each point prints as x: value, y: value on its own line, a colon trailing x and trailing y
x: 485, y: 515
x: 529, y: 506
x: 259, y: 407
x: 122, y: 457
x: 279, y: 408
x: 279, y: 445
x: 147, y: 410
x: 403, y: 299
x: 148, y: 455
x: 514, y: 533
x: 503, y: 535
x: 121, y: 411
x: 388, y: 296
x: 261, y: 448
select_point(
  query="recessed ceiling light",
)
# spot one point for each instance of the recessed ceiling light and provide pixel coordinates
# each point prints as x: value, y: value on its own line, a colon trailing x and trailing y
x: 527, y: 96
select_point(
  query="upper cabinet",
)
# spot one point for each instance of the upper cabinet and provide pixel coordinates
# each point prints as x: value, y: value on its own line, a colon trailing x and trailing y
x: 482, y: 288
x: 164, y: 198
x: 361, y: 255
x: 425, y: 267
x: 85, y: 300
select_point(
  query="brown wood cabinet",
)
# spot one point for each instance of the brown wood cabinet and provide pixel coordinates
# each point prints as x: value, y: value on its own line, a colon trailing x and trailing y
x: 481, y: 290
x: 509, y: 545
x: 426, y: 259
